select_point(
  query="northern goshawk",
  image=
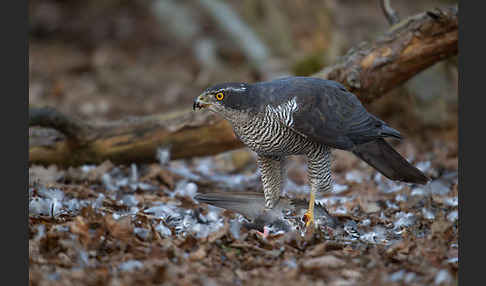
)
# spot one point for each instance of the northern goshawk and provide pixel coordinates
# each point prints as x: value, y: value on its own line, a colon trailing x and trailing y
x: 305, y: 116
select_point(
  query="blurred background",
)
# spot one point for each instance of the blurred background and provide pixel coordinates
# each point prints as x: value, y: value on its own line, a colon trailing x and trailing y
x: 112, y: 59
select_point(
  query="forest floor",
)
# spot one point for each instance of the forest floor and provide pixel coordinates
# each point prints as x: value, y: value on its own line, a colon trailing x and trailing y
x: 125, y: 225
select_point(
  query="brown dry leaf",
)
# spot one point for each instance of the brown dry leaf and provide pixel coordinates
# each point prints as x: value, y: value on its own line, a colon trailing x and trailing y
x: 219, y: 233
x: 164, y: 176
x: 80, y: 227
x: 400, y: 248
x: 369, y: 206
x: 120, y: 229
x: 317, y: 250
x: 329, y: 261
x: 188, y: 243
x: 438, y: 227
x: 152, y: 172
x: 351, y: 274
x: 199, y: 254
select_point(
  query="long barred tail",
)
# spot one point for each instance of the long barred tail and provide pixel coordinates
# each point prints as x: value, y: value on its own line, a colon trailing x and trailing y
x: 381, y: 156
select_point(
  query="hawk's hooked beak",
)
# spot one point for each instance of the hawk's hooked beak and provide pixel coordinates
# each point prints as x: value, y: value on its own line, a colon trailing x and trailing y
x: 201, y: 102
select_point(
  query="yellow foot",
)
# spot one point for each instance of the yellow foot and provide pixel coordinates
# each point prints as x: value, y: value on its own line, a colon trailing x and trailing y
x: 309, y: 218
x: 309, y: 215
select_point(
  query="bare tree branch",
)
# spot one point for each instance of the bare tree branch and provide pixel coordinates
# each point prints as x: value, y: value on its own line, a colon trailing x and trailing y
x: 390, y: 14
x: 254, y: 49
x: 179, y: 20
x: 368, y: 70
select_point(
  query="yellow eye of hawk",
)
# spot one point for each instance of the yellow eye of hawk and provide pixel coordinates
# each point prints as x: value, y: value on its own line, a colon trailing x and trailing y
x: 219, y: 96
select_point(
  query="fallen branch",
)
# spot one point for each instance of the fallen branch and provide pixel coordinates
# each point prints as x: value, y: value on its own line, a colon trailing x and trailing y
x: 369, y: 71
x: 410, y: 46
x: 74, y: 129
x: 187, y: 134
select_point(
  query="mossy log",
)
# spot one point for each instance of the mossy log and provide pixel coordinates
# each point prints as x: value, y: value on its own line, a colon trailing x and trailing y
x: 368, y: 70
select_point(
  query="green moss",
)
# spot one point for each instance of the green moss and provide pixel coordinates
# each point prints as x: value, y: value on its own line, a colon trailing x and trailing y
x: 309, y: 65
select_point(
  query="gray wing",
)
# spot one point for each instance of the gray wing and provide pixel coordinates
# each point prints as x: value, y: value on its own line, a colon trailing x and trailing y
x: 248, y: 204
x: 327, y: 113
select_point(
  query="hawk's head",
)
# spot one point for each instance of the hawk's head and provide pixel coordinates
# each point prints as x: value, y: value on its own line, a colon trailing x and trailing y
x: 225, y: 97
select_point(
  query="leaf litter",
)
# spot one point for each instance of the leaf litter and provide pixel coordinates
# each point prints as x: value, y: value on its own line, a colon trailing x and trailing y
x: 95, y: 224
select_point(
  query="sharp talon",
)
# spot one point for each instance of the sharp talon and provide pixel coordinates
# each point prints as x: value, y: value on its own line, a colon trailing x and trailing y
x: 305, y: 218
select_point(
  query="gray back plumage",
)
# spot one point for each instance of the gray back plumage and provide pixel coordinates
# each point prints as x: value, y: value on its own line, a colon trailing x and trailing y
x: 306, y: 115
x: 326, y: 112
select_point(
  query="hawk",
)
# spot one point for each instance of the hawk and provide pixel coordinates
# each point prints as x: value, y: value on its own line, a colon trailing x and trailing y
x: 305, y: 116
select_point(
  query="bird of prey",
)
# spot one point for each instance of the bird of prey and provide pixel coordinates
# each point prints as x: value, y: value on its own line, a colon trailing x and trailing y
x: 285, y: 215
x: 305, y: 116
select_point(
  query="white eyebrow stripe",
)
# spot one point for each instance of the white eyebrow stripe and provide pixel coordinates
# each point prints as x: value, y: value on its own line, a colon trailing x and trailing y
x: 233, y: 89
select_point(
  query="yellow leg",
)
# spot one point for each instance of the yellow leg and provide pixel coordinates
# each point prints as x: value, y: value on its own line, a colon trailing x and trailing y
x: 309, y: 215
